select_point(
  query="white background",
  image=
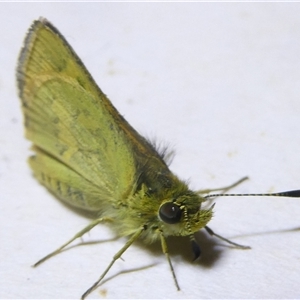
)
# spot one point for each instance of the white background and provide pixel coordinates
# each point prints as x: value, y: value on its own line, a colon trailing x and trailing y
x: 221, y: 83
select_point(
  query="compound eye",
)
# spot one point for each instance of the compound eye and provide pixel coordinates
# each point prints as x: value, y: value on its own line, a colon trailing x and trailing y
x: 170, y: 213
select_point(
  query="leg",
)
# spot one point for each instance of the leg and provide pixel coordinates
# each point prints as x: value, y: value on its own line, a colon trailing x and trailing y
x: 165, y: 251
x: 225, y: 240
x: 116, y: 256
x: 224, y: 189
x: 78, y: 235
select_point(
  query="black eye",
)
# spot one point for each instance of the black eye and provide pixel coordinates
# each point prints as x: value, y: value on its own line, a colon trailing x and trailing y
x: 170, y: 213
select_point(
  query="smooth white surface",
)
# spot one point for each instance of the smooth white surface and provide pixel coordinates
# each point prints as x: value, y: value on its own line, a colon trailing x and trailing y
x: 220, y: 82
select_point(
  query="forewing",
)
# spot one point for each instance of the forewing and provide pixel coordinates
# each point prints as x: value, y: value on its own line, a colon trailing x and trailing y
x: 68, y: 117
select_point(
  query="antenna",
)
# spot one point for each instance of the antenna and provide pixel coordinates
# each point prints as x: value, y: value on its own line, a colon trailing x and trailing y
x: 290, y: 194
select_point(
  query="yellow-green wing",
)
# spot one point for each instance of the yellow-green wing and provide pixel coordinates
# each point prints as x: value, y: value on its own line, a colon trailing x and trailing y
x: 66, y: 184
x: 69, y: 118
